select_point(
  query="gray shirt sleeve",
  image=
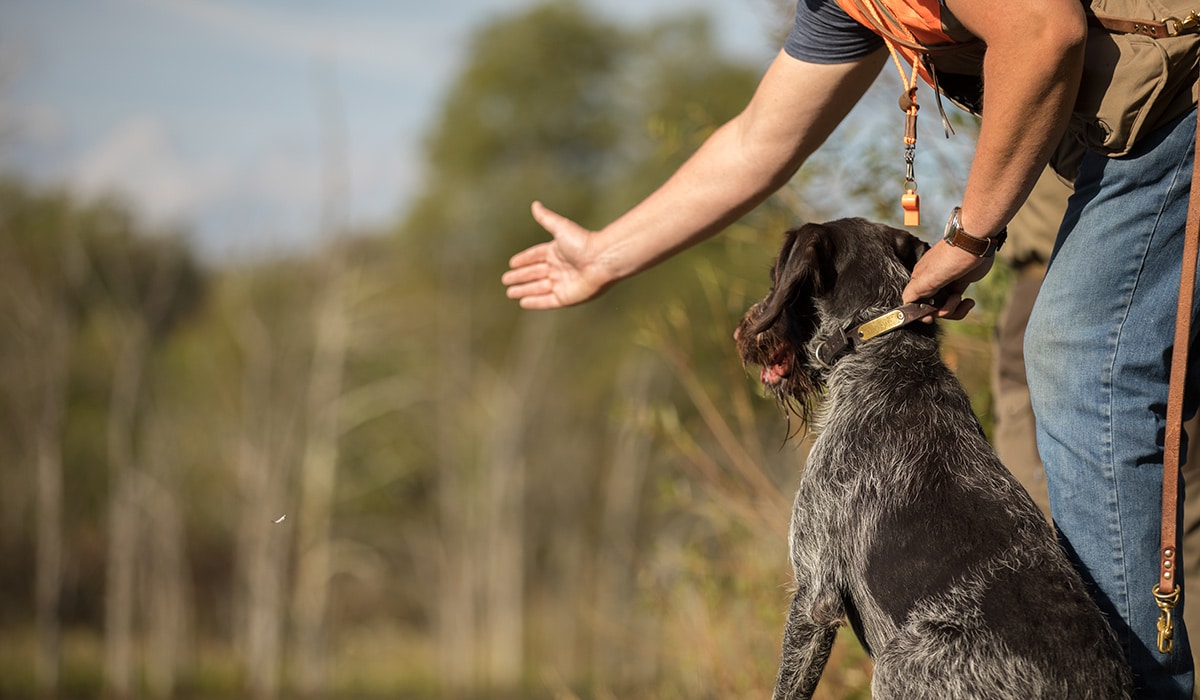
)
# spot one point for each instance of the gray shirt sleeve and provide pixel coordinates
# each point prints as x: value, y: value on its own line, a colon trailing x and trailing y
x: 824, y: 33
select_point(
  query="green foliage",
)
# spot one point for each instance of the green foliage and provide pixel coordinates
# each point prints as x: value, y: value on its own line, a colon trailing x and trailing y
x: 69, y: 272
x: 613, y: 462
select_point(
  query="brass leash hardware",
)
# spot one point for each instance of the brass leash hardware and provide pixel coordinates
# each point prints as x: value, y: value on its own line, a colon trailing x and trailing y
x: 1166, y: 622
x: 1187, y: 25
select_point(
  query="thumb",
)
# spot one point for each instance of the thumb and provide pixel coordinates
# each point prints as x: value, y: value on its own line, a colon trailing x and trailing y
x: 546, y: 218
x: 554, y: 223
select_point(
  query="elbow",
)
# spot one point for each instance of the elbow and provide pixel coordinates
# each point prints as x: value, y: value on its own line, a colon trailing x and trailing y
x: 1069, y: 43
x: 1071, y: 39
x: 1062, y: 30
x: 1041, y: 30
x: 773, y: 153
x: 1048, y: 44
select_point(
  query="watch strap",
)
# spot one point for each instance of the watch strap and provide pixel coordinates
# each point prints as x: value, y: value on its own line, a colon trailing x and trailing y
x: 979, y: 247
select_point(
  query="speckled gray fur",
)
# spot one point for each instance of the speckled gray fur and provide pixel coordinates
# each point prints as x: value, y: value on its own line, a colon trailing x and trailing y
x: 905, y: 522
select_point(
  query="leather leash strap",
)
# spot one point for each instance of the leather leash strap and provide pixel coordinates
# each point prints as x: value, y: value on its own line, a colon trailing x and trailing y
x: 1156, y: 29
x: 1167, y: 592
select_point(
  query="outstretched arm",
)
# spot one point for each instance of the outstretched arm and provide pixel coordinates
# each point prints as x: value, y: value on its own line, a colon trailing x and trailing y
x: 797, y: 105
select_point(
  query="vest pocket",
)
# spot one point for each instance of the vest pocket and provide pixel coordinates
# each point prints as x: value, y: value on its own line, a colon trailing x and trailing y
x: 1130, y: 85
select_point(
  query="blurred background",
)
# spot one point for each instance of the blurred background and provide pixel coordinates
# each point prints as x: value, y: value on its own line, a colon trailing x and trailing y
x: 269, y: 427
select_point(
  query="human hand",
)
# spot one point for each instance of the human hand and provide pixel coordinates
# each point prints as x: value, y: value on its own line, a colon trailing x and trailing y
x: 950, y: 269
x: 560, y: 272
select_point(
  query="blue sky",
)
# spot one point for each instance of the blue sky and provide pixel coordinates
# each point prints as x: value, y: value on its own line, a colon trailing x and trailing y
x: 205, y: 113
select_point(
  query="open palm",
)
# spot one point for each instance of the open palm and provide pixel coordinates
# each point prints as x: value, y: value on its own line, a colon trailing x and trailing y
x: 560, y: 272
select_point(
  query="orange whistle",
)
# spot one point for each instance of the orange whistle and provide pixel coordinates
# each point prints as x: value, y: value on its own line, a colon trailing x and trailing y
x: 911, y: 202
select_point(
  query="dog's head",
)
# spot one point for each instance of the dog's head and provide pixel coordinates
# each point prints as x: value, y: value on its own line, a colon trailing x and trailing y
x: 827, y: 277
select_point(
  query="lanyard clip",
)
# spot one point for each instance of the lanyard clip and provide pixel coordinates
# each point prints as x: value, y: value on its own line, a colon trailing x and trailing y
x: 910, y: 201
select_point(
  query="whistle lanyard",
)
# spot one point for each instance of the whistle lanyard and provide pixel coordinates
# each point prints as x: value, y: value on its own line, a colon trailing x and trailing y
x: 910, y: 201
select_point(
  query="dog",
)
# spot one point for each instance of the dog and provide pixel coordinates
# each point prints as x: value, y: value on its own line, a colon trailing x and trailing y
x: 905, y: 522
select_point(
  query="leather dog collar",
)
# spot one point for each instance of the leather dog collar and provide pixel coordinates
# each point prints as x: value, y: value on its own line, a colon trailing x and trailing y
x: 830, y: 350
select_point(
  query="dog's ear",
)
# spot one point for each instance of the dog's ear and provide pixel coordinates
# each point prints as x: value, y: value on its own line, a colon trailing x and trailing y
x: 908, y: 247
x: 802, y: 270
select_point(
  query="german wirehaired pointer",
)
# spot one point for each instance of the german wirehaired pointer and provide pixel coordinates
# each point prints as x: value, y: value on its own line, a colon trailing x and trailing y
x: 905, y: 522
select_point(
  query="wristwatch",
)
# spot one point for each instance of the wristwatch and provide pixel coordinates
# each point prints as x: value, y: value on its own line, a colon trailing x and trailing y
x: 979, y: 247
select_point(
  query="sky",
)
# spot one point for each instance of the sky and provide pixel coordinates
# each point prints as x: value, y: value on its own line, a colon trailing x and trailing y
x: 217, y: 116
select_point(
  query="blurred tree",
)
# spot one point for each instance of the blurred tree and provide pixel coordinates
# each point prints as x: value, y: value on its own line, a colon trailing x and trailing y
x: 343, y: 454
x: 532, y: 111
x: 146, y: 286
x: 323, y: 402
x: 558, y: 105
x: 70, y: 270
x: 267, y: 313
x: 42, y: 282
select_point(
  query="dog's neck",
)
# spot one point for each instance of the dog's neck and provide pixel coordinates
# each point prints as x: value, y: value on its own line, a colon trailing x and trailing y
x: 847, y: 339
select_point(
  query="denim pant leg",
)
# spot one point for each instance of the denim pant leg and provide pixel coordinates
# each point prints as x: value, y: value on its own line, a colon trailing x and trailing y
x: 1098, y: 349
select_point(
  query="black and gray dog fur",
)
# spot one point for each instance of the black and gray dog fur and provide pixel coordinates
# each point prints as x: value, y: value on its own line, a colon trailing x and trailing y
x: 906, y: 524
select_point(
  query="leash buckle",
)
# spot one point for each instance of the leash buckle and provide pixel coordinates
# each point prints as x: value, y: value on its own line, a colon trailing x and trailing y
x: 1187, y: 25
x: 1166, y: 622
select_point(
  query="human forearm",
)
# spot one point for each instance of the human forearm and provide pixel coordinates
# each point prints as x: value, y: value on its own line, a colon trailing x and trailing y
x: 739, y: 166
x: 715, y: 187
x: 1031, y: 74
x: 795, y: 108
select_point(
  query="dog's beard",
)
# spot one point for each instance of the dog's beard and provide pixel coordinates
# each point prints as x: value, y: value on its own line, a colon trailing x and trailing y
x: 777, y: 369
x: 784, y: 373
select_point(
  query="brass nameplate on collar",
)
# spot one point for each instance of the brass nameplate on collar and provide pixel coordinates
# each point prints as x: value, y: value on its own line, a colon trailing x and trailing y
x: 878, y: 326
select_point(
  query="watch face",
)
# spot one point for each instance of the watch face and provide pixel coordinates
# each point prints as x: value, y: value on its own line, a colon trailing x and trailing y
x: 957, y: 237
x: 952, y: 226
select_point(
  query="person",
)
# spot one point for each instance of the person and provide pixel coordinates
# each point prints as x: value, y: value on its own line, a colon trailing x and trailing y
x: 1098, y: 341
x: 1031, y: 236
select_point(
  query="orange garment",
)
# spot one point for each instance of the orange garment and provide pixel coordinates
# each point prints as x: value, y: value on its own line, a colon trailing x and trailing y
x: 913, y: 28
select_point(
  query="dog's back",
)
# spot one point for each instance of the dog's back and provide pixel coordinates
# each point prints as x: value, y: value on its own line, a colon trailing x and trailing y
x: 959, y: 577
x: 905, y: 521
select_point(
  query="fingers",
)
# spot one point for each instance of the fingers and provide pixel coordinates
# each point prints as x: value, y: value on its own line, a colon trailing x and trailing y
x: 947, y: 270
x: 552, y: 274
x: 955, y: 308
x: 537, y: 254
x: 525, y: 273
x: 538, y: 293
x: 529, y: 279
x: 533, y: 255
x: 540, y: 302
x: 959, y: 312
x: 917, y: 289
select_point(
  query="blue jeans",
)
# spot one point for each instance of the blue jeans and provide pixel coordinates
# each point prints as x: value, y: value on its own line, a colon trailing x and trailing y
x: 1098, y: 351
